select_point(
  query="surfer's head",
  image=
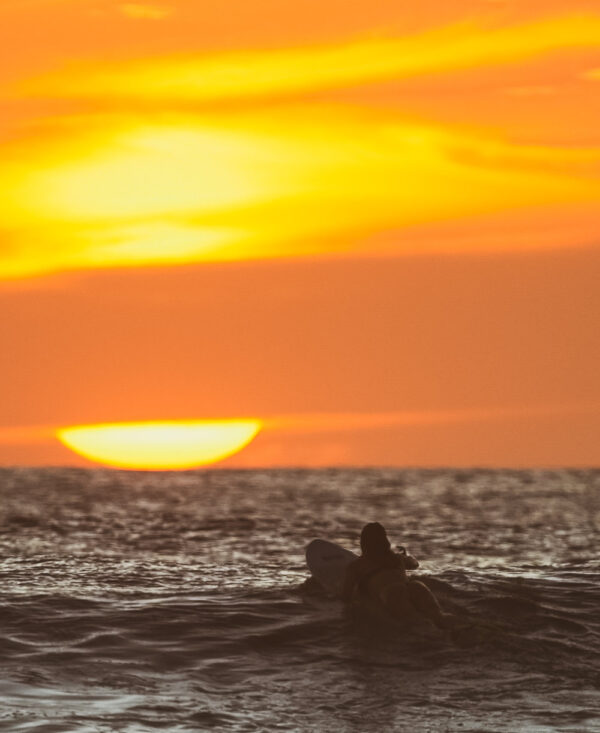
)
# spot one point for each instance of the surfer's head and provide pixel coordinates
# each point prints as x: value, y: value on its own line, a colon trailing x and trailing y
x: 374, y: 541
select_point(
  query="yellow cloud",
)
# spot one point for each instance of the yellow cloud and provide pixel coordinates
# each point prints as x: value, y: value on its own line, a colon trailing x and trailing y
x: 149, y: 171
x: 285, y: 71
x: 262, y: 185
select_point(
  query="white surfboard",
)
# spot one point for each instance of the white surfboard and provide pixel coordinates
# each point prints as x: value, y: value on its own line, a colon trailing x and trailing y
x: 328, y: 562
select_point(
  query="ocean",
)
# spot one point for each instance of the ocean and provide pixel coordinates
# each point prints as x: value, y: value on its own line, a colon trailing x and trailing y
x: 142, y: 601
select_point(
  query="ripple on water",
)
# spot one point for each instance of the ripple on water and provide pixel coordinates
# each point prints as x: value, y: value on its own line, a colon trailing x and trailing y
x: 136, y: 601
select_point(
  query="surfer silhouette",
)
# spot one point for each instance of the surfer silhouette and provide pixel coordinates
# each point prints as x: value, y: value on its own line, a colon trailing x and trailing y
x: 380, y: 575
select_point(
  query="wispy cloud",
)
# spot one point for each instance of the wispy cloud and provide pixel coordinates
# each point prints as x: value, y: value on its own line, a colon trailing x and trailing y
x: 349, y: 422
x: 261, y: 186
x: 290, y: 71
x: 343, y: 422
x: 169, y: 183
x: 538, y: 90
x: 145, y: 11
x: 26, y: 435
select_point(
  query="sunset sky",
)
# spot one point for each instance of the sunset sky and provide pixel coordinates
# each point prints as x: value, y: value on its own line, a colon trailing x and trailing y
x: 374, y: 227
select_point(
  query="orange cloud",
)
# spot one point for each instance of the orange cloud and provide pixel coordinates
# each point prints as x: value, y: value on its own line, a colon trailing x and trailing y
x: 343, y: 422
x: 144, y: 11
x: 318, y: 422
x: 188, y: 443
x: 284, y: 71
x: 89, y: 189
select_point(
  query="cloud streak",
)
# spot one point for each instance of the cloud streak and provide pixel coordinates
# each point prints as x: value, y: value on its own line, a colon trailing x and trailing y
x: 262, y: 186
x: 350, y: 422
x: 170, y: 183
x: 343, y: 422
x: 144, y: 11
x: 299, y: 70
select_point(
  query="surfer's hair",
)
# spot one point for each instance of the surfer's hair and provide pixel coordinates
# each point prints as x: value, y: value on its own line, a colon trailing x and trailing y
x: 373, y: 541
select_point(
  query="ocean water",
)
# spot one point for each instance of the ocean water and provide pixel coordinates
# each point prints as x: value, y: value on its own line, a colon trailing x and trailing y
x: 139, y: 602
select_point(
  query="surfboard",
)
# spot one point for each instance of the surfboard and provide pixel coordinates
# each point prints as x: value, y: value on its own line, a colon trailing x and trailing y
x: 328, y: 562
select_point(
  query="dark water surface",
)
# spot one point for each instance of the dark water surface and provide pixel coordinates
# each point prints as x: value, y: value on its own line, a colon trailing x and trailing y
x: 144, y: 601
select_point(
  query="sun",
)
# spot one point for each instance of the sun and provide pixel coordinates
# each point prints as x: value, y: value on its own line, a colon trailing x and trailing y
x: 160, y: 445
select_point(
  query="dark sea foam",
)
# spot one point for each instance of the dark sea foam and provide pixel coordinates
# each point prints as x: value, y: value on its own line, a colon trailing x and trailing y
x: 142, y: 601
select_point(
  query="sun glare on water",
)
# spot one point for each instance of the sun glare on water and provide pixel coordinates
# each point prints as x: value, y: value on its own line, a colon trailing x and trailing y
x: 162, y: 445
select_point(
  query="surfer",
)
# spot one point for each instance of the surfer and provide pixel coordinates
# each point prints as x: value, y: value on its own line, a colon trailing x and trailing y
x: 380, y: 574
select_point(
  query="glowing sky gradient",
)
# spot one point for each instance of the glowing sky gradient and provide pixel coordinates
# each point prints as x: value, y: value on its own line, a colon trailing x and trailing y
x: 373, y: 228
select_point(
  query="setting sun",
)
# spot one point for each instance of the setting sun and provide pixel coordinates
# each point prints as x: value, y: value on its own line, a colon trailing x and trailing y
x: 160, y: 445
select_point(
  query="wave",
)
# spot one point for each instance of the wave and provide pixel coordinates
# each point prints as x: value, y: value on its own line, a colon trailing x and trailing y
x: 133, y: 602
x: 547, y: 618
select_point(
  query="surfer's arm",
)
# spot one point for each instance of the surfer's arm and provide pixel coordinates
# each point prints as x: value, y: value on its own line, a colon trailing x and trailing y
x: 399, y: 565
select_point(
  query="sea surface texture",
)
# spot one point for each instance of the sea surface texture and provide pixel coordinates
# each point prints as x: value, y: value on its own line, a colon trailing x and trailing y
x: 137, y: 602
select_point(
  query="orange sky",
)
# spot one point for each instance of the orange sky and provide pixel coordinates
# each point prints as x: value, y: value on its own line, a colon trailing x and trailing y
x: 373, y: 228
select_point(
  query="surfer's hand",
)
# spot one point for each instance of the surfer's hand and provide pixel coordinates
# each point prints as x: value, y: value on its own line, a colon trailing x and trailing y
x: 409, y: 561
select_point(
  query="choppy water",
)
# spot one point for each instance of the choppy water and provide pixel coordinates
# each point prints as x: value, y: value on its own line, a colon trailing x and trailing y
x: 142, y: 601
